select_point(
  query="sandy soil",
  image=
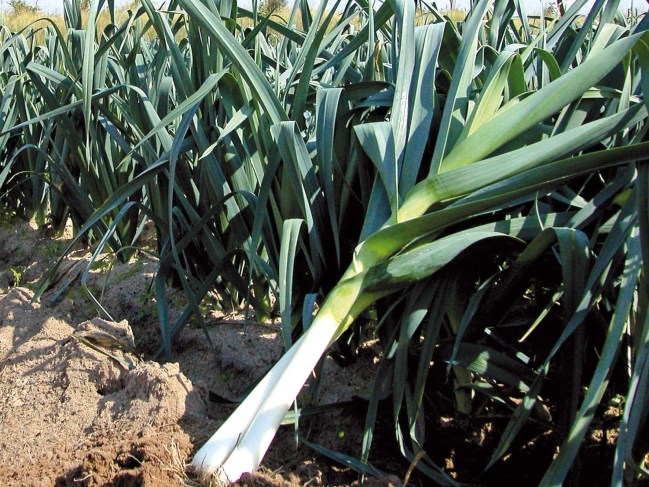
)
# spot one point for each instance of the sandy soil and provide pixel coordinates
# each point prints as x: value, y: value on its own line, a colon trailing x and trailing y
x: 82, y: 403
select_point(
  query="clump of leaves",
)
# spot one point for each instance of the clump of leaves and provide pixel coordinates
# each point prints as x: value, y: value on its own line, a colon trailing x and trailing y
x: 23, y: 7
x: 267, y: 7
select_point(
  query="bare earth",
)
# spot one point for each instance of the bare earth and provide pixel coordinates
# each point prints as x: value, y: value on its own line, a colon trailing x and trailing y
x: 80, y: 405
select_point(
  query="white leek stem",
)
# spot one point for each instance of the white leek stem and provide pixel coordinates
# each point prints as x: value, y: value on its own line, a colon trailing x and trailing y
x: 217, y: 449
x: 239, y: 445
x: 241, y: 442
x: 307, y: 351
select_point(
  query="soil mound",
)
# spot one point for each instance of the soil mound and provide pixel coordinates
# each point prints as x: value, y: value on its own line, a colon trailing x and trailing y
x: 71, y: 411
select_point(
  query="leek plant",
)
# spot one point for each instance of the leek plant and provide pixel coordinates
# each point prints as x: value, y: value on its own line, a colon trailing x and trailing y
x: 492, y: 161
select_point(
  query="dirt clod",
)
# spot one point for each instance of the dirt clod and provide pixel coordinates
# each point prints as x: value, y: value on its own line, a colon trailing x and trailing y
x: 72, y: 415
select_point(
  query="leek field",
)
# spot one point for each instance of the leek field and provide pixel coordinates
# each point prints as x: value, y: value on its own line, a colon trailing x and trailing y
x: 471, y: 192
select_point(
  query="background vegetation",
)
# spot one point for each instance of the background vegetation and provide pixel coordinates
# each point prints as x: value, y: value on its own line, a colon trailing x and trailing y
x: 486, y: 178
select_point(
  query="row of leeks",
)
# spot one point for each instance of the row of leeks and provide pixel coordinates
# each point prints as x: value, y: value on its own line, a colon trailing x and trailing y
x: 494, y: 137
x: 469, y: 176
